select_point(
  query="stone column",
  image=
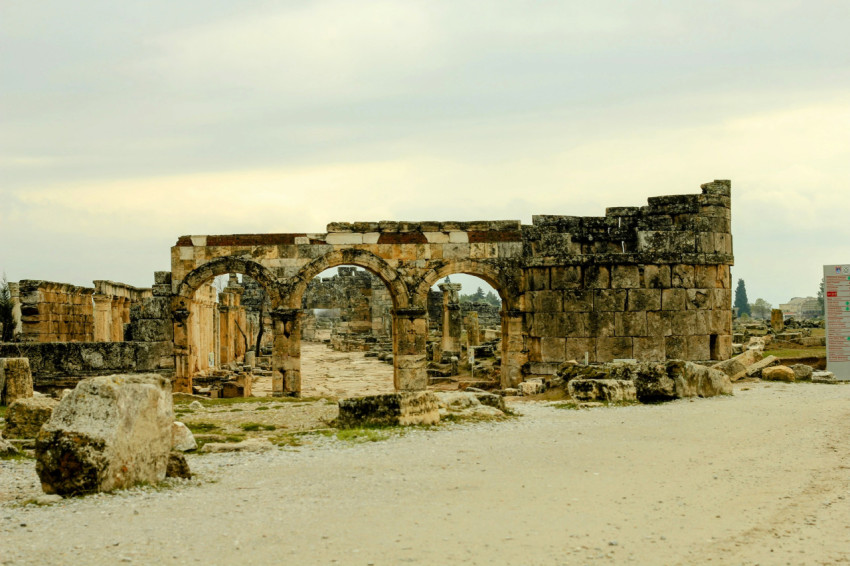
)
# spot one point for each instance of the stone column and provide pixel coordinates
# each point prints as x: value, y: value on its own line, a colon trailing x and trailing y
x: 15, y: 292
x: 225, y: 338
x: 182, y: 363
x: 286, y: 352
x: 452, y: 319
x: 117, y: 313
x: 777, y: 320
x: 410, y: 334
x: 473, y: 331
x: 102, y: 318
x: 513, y: 351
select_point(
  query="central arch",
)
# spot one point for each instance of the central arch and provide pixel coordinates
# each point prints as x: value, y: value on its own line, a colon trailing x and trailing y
x: 507, y: 285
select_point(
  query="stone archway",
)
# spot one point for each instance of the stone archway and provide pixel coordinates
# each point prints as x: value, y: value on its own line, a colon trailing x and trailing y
x: 409, y: 324
x: 182, y: 302
x: 507, y: 286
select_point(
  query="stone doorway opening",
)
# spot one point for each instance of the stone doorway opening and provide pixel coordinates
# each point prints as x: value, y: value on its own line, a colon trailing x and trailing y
x: 346, y: 334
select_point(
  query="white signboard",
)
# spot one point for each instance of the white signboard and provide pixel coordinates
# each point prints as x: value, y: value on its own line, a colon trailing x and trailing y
x: 837, y: 309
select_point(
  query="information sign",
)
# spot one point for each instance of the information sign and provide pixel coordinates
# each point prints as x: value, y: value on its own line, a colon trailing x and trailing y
x: 837, y: 311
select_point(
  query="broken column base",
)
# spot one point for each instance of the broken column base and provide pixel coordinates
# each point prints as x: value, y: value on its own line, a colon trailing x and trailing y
x: 403, y: 408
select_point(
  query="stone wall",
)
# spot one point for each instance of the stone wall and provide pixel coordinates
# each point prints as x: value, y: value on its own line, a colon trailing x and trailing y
x: 648, y: 282
x: 362, y: 300
x: 55, y: 312
x: 112, y: 304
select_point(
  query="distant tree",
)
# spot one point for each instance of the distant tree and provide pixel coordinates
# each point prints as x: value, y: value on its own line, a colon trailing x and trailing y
x: 478, y: 296
x: 741, y: 302
x: 6, y: 319
x: 761, y: 308
x: 821, y: 296
x: 493, y: 299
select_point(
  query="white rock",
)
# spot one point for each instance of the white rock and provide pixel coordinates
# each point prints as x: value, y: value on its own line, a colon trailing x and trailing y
x: 195, y: 405
x: 182, y: 438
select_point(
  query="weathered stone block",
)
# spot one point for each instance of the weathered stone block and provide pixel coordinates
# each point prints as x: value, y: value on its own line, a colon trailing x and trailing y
x: 625, y: 277
x: 609, y: 349
x: 649, y: 349
x: 600, y: 324
x: 659, y: 323
x: 403, y: 408
x: 678, y: 379
x: 736, y: 367
x: 578, y: 300
x: 683, y: 276
x: 15, y: 379
x: 644, y: 300
x: 546, y: 301
x: 538, y: 279
x: 610, y: 299
x: 610, y: 390
x: 108, y: 433
x: 674, y: 299
x: 567, y: 277
x: 699, y: 347
x: 152, y: 330
x: 153, y: 307
x: 552, y: 349
x: 657, y: 277
x: 162, y: 277
x: 802, y: 372
x: 676, y: 347
x: 163, y: 290
x: 26, y: 416
x: 576, y: 348
x: 597, y: 277
x: 756, y: 369
x: 705, y: 276
x: 700, y: 298
x: 630, y: 323
x: 779, y: 373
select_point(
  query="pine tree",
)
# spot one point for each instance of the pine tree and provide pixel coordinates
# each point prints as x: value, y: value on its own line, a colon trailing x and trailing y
x: 741, y: 302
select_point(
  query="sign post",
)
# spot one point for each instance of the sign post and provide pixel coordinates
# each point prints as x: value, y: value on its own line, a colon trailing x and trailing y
x: 837, y: 316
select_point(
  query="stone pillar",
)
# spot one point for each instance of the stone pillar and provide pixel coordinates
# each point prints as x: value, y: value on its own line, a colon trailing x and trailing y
x: 182, y: 363
x: 117, y: 315
x: 286, y: 352
x: 15, y: 292
x: 473, y: 331
x: 513, y: 351
x: 15, y: 380
x: 102, y: 318
x: 777, y: 320
x: 410, y: 334
x: 452, y: 319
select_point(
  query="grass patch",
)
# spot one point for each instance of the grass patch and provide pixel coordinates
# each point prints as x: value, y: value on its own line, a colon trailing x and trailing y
x: 287, y: 440
x: 574, y: 406
x: 796, y: 352
x: 201, y: 428
x: 251, y: 427
x: 567, y: 406
x: 263, y: 408
x: 234, y: 438
x: 19, y: 456
x: 362, y: 435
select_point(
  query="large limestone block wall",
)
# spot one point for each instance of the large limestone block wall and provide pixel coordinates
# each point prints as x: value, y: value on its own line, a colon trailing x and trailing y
x: 55, y: 312
x: 112, y: 304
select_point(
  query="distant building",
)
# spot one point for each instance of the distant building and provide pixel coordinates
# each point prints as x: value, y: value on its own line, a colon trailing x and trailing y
x: 801, y: 307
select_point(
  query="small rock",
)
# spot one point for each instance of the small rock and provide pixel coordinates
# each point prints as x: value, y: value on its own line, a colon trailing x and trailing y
x: 195, y: 405
x: 823, y: 377
x: 182, y: 438
x: 178, y: 467
x: 802, y: 372
x: 47, y: 499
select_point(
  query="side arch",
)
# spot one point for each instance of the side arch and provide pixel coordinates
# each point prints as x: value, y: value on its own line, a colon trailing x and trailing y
x: 296, y: 286
x: 230, y: 264
x: 498, y: 278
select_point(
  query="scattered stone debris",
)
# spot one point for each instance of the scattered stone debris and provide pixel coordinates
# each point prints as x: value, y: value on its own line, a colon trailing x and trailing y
x: 610, y: 390
x: 110, y: 432
x: 177, y: 466
x: 778, y: 373
x: 7, y: 448
x: 802, y: 372
x: 15, y: 380
x: 755, y: 370
x: 469, y: 404
x: 182, y: 438
x: 824, y: 377
x: 25, y: 416
x: 402, y: 408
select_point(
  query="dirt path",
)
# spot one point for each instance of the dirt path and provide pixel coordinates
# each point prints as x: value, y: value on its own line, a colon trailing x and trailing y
x: 759, y: 478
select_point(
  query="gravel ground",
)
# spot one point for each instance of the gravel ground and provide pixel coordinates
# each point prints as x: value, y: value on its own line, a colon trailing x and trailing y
x: 759, y: 478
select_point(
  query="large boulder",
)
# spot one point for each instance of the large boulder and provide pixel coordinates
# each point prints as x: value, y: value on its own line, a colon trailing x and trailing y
x: 778, y: 373
x: 25, y: 416
x: 110, y: 432
x: 677, y: 379
x: 15, y: 380
x: 756, y: 369
x: 802, y: 372
x: 402, y: 408
x: 736, y: 367
x: 611, y: 390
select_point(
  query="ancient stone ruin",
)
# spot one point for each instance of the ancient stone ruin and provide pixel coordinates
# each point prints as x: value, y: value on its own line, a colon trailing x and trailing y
x: 647, y: 283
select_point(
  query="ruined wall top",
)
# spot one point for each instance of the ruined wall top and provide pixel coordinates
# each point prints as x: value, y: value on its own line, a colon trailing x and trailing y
x: 121, y: 290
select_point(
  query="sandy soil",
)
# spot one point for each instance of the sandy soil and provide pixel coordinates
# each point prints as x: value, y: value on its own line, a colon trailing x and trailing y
x: 759, y: 478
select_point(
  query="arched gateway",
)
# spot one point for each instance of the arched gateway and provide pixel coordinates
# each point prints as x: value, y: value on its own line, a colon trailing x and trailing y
x: 648, y: 283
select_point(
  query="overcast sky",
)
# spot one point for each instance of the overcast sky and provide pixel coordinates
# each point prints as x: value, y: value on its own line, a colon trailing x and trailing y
x: 124, y: 125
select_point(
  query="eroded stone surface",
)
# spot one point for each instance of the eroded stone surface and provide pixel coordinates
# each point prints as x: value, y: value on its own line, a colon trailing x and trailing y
x: 25, y: 417
x: 403, y: 408
x: 108, y: 433
x: 611, y: 390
